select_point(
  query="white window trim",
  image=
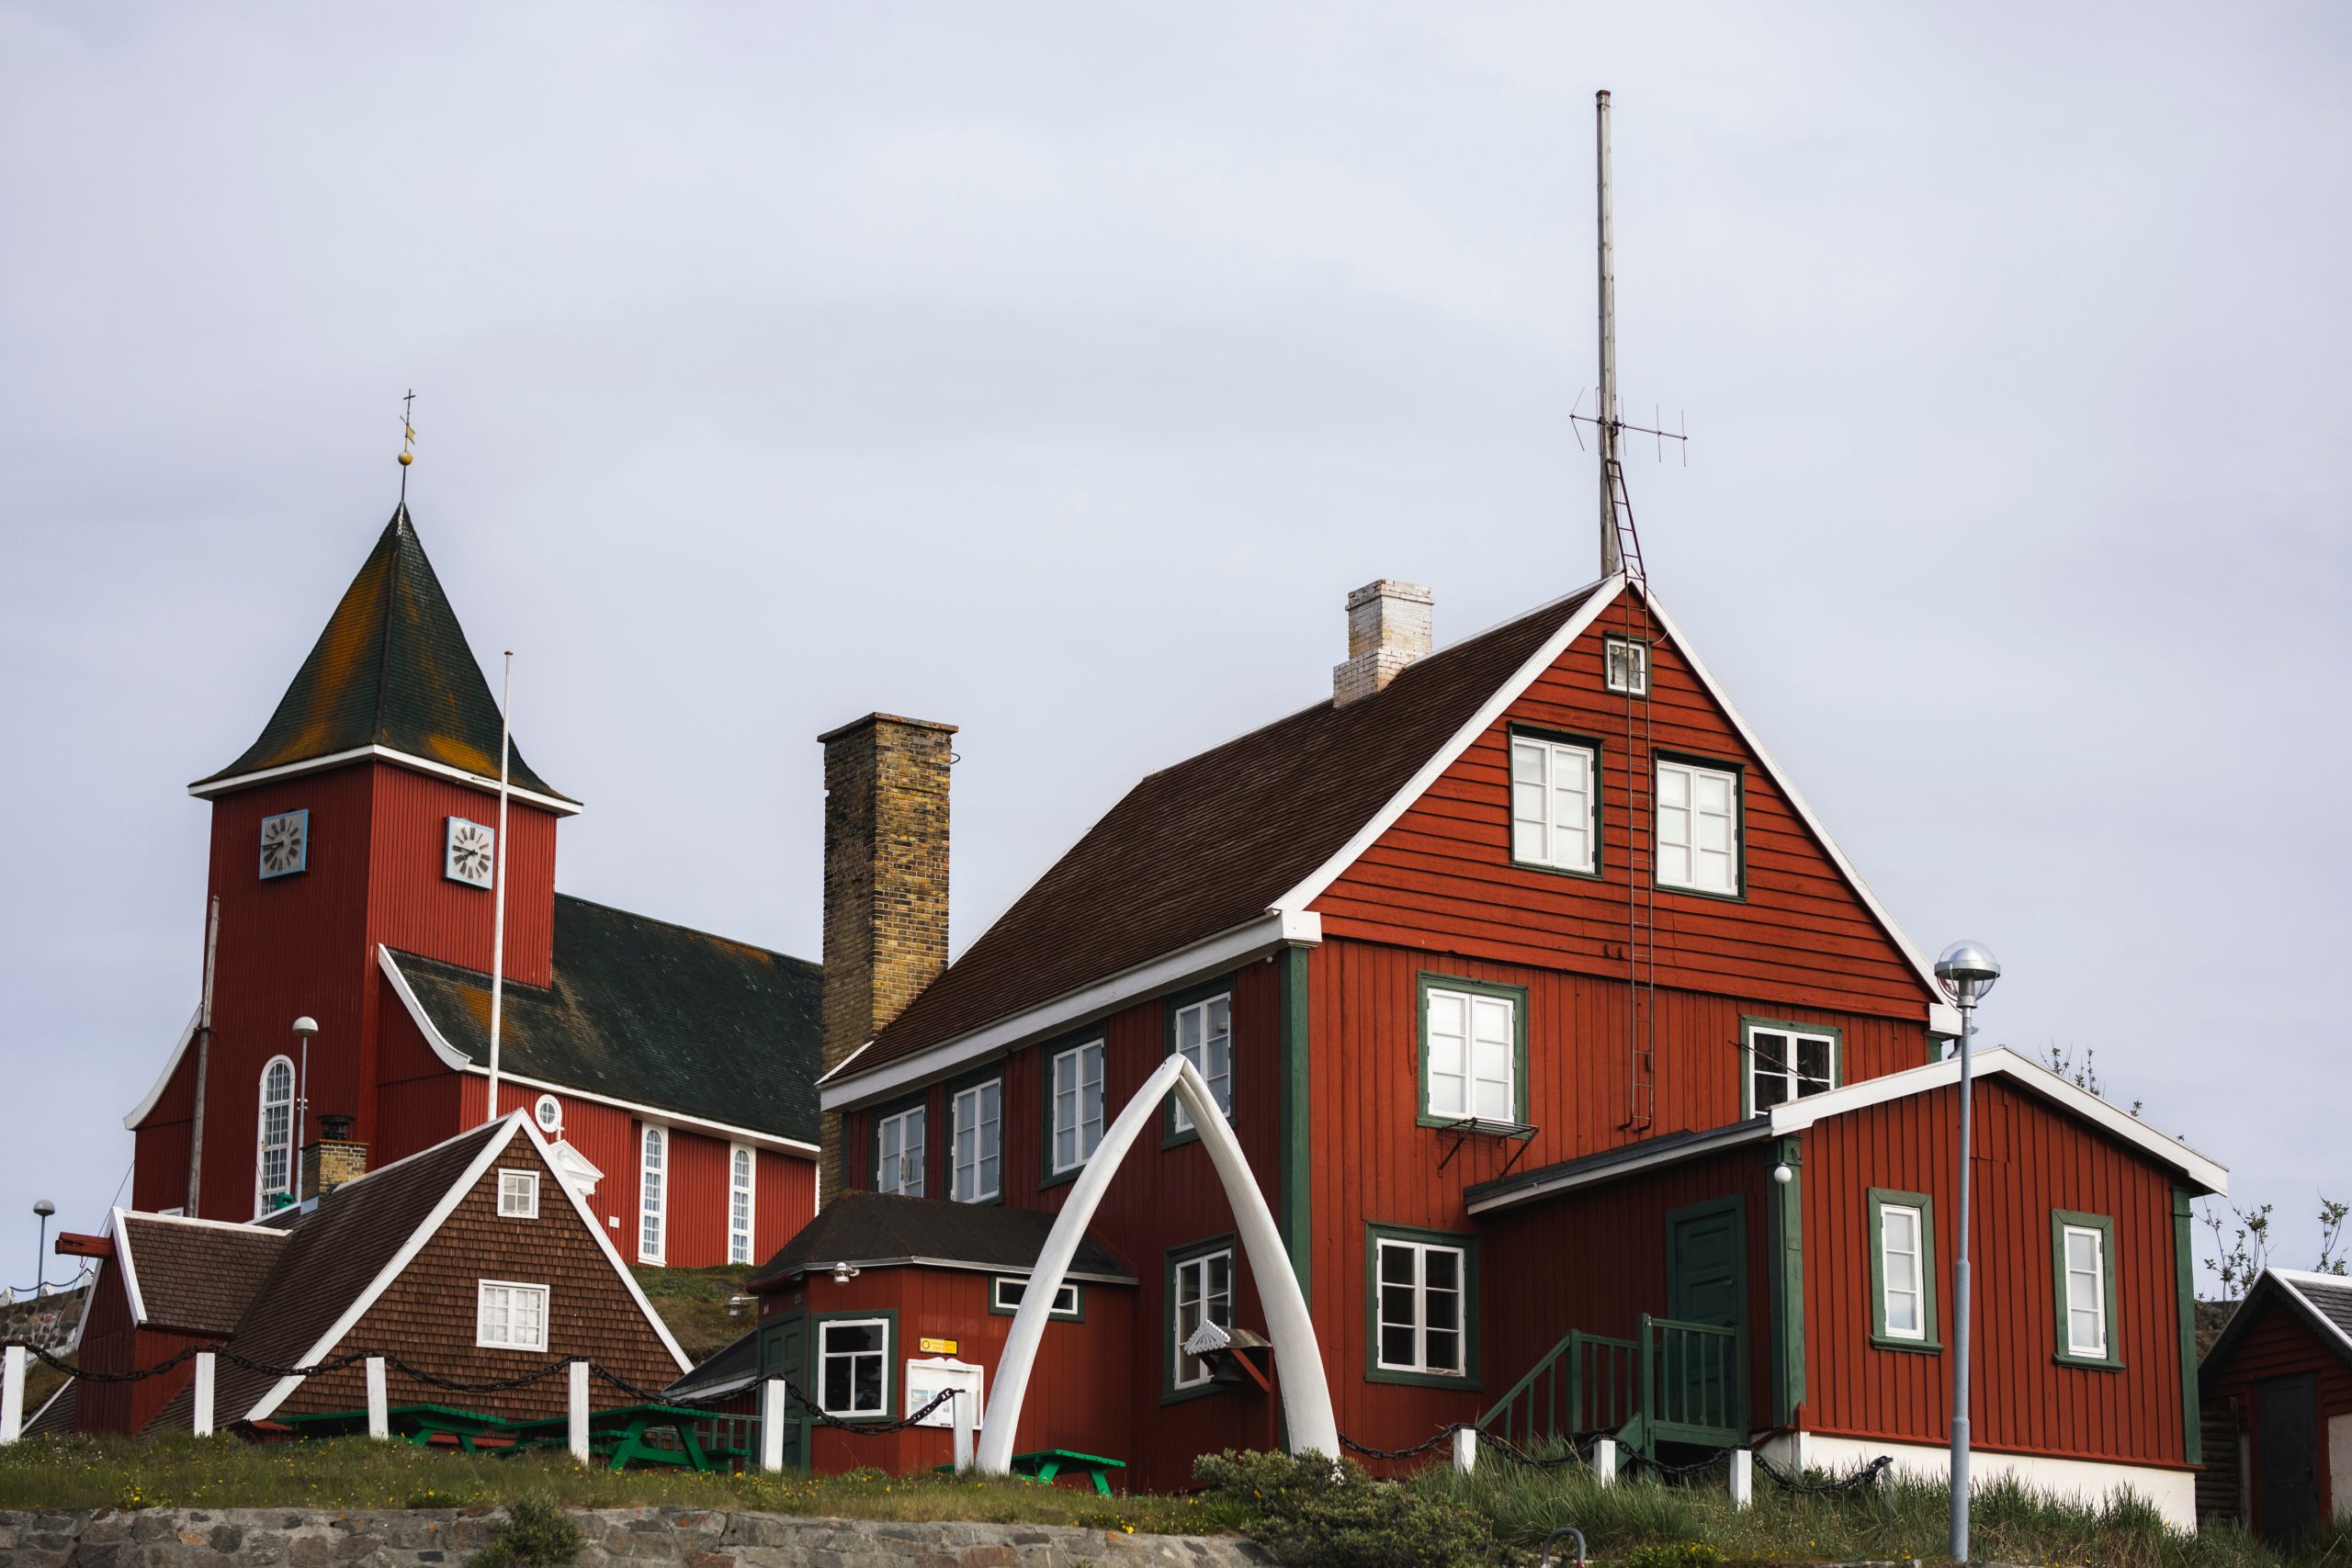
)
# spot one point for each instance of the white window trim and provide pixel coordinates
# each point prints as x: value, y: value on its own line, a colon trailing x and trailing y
x: 2098, y: 1290
x: 974, y: 1094
x: 1787, y: 1071
x: 748, y: 1190
x: 1918, y: 1291
x: 481, y: 1299
x: 824, y: 1330
x: 1691, y: 774
x: 1176, y: 1379
x: 539, y: 1110
x: 649, y: 1135
x: 1637, y: 665
x: 911, y: 1115
x: 1419, y: 1323
x: 261, y: 1124
x: 1587, y: 827
x: 1469, y: 1075
x: 1200, y: 1057
x: 529, y: 1190
x: 1076, y: 1054
x: 1006, y: 1291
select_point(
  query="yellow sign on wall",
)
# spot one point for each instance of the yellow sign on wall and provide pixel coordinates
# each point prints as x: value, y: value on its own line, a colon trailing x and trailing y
x: 937, y: 1347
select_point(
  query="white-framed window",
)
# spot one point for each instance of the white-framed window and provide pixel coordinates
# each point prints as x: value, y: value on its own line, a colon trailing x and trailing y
x: 1423, y: 1288
x: 518, y: 1194
x: 1078, y: 1105
x: 1626, y: 663
x: 1202, y: 1289
x: 1204, y: 1038
x: 898, y: 1153
x: 1551, y: 804
x: 1788, y: 1063
x: 853, y: 1366
x: 274, y: 1140
x: 1698, y: 828
x: 978, y: 1150
x: 742, y: 1170
x: 1902, y: 1271
x: 1472, y: 1066
x: 652, y: 1194
x: 2083, y: 1248
x: 1007, y: 1290
x: 510, y: 1316
x: 549, y: 1112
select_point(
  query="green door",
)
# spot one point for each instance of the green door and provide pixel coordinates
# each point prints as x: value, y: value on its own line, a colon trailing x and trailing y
x: 783, y: 1353
x: 1706, y: 1283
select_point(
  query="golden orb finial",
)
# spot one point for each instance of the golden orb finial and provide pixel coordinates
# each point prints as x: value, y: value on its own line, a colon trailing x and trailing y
x: 406, y: 459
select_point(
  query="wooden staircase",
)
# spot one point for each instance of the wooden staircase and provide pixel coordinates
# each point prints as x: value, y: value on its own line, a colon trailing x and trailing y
x: 1675, y: 1382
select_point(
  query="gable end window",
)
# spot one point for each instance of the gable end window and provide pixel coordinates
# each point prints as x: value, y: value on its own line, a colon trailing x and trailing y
x: 1074, y: 1108
x: 1626, y: 665
x: 1474, y: 1051
x: 1555, y: 806
x: 518, y: 1194
x: 510, y: 1316
x: 274, y: 1143
x: 1201, y: 1033
x: 1421, y: 1306
x: 978, y: 1143
x: 1787, y: 1061
x: 1903, y: 1270
x: 854, y: 1366
x: 1698, y: 828
x: 2082, y: 1256
x: 1200, y: 1290
x: 652, y: 1194
x: 742, y: 1167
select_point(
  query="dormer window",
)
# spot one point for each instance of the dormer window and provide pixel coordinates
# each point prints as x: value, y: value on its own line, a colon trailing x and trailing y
x: 1554, y: 808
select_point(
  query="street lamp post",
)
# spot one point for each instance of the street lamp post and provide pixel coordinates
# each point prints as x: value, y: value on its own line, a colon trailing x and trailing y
x: 43, y: 1208
x: 1966, y: 972
x: 304, y: 1027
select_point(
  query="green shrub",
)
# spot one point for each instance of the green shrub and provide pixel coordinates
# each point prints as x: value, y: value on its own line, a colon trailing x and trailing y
x: 1310, y: 1511
x: 537, y: 1534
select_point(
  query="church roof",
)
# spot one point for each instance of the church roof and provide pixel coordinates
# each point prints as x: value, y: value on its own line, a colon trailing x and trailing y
x: 645, y: 1013
x: 391, y: 670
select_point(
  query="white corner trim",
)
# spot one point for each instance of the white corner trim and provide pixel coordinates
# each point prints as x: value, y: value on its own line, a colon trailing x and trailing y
x: 205, y: 791
x: 611, y: 1255
x: 122, y: 1234
x: 1210, y: 955
x: 163, y: 1080
x: 1569, y: 1181
x: 1772, y: 770
x: 842, y: 1065
x: 2002, y: 1062
x: 490, y: 1149
x: 458, y: 1061
x: 1604, y: 595
x: 2292, y: 1280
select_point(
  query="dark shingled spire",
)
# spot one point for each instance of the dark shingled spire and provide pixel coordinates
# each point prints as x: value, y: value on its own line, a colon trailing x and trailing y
x: 391, y: 670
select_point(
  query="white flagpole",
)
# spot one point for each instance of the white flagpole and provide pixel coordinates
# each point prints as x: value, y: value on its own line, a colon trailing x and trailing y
x: 498, y: 921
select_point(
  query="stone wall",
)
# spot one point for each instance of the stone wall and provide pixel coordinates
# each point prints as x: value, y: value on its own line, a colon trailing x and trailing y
x: 636, y: 1537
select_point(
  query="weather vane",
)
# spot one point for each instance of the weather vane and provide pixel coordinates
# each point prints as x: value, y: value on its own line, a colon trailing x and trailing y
x: 408, y: 438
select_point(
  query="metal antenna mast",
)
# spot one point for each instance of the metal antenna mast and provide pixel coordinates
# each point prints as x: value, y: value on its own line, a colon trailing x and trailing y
x: 1613, y: 559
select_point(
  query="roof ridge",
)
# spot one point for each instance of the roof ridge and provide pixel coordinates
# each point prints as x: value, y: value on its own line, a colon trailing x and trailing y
x: 690, y: 930
x: 384, y: 620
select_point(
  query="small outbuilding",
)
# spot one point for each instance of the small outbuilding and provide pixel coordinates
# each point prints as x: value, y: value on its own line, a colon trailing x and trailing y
x: 2280, y: 1378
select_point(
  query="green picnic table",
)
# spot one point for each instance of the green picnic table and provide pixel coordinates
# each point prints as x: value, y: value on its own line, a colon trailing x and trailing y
x: 1047, y: 1463
x: 417, y: 1424
x: 619, y: 1436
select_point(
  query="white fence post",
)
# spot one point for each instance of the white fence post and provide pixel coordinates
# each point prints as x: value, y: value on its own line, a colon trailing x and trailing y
x: 772, y: 1424
x: 379, y: 1421
x: 1743, y: 1478
x: 1465, y: 1449
x: 1604, y: 1461
x: 12, y: 1393
x: 965, y: 1430
x: 201, y: 1425
x: 576, y: 1429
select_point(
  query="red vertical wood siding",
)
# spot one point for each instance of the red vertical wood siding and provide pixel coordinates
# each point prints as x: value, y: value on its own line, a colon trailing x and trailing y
x: 784, y: 1197
x: 111, y: 1342
x: 412, y: 907
x: 2278, y: 1343
x: 1443, y: 874
x: 697, y: 1195
x: 2030, y: 1159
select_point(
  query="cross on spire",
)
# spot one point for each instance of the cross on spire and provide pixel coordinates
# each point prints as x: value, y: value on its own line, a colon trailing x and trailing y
x: 408, y: 438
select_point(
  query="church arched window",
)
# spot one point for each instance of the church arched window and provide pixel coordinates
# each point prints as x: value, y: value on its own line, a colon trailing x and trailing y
x: 274, y: 1145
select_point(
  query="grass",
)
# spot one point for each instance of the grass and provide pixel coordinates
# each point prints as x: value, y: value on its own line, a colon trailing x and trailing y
x: 692, y: 1302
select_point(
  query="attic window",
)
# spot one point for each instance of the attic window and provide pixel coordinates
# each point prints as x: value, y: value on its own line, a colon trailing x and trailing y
x: 518, y: 1194
x: 1627, y: 665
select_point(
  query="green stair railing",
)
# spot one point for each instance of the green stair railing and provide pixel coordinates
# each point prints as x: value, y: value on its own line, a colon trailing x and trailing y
x: 1587, y: 1383
x: 1675, y: 1382
x: 1694, y: 1382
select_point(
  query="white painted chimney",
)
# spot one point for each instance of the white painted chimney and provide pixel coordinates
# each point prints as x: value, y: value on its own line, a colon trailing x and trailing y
x: 1388, y: 628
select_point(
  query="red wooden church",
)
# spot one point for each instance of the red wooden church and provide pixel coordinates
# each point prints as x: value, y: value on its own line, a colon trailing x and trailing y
x: 1592, y: 1090
x: 353, y: 860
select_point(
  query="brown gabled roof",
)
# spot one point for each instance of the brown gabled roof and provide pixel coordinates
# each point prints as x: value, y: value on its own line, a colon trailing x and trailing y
x: 877, y: 1229
x: 1210, y: 843
x: 196, y: 1276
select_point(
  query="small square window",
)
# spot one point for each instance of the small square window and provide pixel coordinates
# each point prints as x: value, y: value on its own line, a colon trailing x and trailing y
x: 1786, y: 1063
x: 509, y: 1317
x: 518, y: 1194
x: 1628, y: 665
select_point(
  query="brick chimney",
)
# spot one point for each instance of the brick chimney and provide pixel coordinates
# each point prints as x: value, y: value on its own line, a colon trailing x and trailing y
x: 335, y: 1159
x: 886, y: 883
x: 1388, y: 628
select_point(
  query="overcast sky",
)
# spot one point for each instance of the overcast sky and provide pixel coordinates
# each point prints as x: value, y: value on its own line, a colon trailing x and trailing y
x: 1056, y: 370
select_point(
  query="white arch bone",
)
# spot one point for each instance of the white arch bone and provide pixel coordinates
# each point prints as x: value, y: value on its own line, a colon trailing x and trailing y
x: 1307, y: 1394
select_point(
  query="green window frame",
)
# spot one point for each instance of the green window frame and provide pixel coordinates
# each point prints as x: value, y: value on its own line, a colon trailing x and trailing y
x: 976, y: 1086
x: 1749, y: 1027
x: 1005, y: 1303
x: 1923, y: 1205
x: 818, y: 1324
x: 1173, y: 1131
x: 1049, y: 1057
x: 1171, y: 1351
x: 2063, y: 1223
x: 1517, y: 996
x: 1596, y: 846
x: 1462, y: 1242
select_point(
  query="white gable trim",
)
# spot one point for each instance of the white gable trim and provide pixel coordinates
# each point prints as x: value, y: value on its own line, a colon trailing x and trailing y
x: 603, y: 1242
x: 403, y: 759
x: 163, y: 1079
x: 122, y: 1234
x: 2291, y: 1280
x: 1306, y: 893
x: 458, y: 1061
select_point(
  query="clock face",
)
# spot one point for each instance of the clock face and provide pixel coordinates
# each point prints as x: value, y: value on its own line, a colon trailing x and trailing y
x: 472, y: 856
x: 285, y: 843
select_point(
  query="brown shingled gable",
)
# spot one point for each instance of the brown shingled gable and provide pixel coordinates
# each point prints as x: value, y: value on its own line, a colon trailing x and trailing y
x: 196, y: 1277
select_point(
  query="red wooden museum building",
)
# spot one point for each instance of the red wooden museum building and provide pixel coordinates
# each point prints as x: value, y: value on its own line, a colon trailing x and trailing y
x: 353, y: 870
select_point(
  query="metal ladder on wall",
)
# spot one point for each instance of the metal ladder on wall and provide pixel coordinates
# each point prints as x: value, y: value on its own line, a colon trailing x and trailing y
x: 1641, y: 855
